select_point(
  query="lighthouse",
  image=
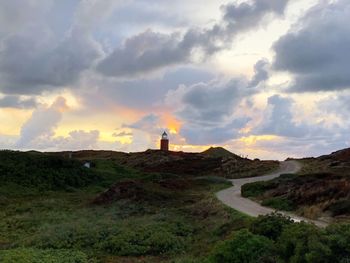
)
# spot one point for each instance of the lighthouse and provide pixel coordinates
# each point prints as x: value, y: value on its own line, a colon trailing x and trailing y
x: 164, y: 142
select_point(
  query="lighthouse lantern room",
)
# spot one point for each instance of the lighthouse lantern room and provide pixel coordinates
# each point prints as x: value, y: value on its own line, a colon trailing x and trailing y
x: 164, y: 142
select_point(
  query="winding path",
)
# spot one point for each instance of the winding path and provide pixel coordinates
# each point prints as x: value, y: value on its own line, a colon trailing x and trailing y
x: 232, y: 196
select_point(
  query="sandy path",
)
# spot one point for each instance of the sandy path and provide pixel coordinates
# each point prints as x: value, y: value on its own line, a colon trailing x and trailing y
x: 232, y: 196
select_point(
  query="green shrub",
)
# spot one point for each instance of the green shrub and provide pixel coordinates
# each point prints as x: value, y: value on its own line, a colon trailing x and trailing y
x: 279, y: 203
x: 117, y: 239
x: 244, y: 247
x: 340, y: 208
x: 43, y: 172
x: 150, y: 240
x: 270, y: 226
x: 255, y: 189
x: 338, y: 239
x: 24, y: 255
x: 302, y: 242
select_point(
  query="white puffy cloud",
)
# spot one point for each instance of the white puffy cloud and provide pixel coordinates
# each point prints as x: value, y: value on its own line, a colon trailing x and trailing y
x: 279, y: 119
x: 42, y: 123
x: 38, y: 132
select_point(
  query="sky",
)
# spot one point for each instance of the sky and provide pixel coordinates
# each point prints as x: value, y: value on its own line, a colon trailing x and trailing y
x: 266, y: 79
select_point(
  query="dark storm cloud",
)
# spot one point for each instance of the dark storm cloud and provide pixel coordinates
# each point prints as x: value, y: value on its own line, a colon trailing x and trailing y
x: 34, y: 57
x: 28, y: 65
x: 17, y: 102
x: 318, y: 52
x: 261, y: 72
x: 142, y: 93
x: 245, y: 15
x: 150, y: 51
x: 39, y: 51
x: 210, y: 103
x: 143, y: 53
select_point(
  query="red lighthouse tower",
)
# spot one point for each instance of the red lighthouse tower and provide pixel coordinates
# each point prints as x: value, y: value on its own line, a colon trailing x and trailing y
x: 164, y: 142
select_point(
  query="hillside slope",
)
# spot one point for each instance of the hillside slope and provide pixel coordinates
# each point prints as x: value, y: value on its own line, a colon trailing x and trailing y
x: 322, y: 188
x: 214, y: 161
x: 42, y: 171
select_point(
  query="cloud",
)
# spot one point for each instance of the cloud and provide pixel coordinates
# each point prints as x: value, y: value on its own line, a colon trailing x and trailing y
x: 148, y: 122
x: 42, y: 123
x: 17, y: 14
x: 316, y: 50
x: 38, y: 132
x: 26, y: 72
x: 18, y: 102
x: 279, y: 119
x: 149, y: 50
x: 37, y: 58
x: 208, y: 103
x: 143, y: 53
x: 143, y: 93
x: 261, y: 72
x: 285, y: 147
x: 213, y: 102
x: 122, y: 134
x: 196, y: 134
x: 209, y: 110
x: 248, y: 15
x: 77, y: 140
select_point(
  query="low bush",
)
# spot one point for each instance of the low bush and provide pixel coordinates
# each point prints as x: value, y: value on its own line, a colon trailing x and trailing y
x: 341, y: 207
x: 255, y: 189
x: 279, y: 203
x: 302, y: 242
x: 338, y: 239
x: 43, y: 172
x: 23, y: 255
x: 151, y: 240
x: 244, y: 247
x: 270, y: 226
x: 155, y: 238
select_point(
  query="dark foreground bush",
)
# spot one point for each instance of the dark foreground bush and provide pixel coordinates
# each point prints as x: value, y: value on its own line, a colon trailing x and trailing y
x: 270, y: 226
x: 302, y: 242
x: 44, y: 172
x: 116, y: 239
x: 279, y: 203
x: 255, y: 189
x: 340, y: 208
x: 42, y: 256
x: 244, y: 247
x: 338, y: 240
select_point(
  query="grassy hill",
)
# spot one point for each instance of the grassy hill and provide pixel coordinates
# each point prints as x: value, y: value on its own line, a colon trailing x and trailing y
x: 42, y: 171
x: 53, y: 210
x: 320, y: 190
x: 214, y: 161
x: 220, y: 152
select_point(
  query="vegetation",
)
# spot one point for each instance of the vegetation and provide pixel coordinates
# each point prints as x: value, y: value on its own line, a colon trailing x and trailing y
x: 43, y: 172
x: 309, y: 194
x: 161, y: 217
x: 141, y: 217
x: 279, y: 203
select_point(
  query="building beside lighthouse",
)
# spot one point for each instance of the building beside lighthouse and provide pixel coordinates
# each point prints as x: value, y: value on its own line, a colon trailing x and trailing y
x: 164, y: 142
